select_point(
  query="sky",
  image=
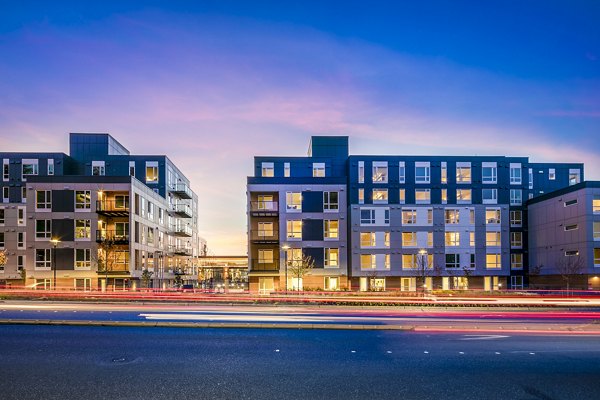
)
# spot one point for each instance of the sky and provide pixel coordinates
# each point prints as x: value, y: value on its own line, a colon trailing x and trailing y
x: 212, y: 84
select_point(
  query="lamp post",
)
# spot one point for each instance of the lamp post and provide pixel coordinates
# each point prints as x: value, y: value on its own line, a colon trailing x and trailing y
x: 423, y: 269
x: 55, y: 243
x: 285, y: 248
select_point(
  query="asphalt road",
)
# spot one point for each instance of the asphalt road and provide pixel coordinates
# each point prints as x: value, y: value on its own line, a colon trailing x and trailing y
x: 62, y: 362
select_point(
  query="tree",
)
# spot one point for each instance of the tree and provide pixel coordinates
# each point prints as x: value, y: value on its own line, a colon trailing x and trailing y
x: 106, y: 257
x: 424, y: 270
x: 301, y: 267
x: 372, y: 277
x: 146, y: 277
x: 568, y: 267
x: 534, y: 271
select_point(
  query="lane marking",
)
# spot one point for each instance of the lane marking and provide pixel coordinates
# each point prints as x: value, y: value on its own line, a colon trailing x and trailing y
x: 483, y: 337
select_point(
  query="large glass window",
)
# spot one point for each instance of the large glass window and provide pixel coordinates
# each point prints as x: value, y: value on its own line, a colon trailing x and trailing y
x: 361, y: 172
x: 43, y: 228
x: 318, y: 170
x: 294, y: 229
x: 493, y: 261
x: 380, y: 171
x: 30, y: 167
x: 596, y: 257
x: 83, y: 199
x: 368, y: 261
x: 444, y: 172
x: 516, y: 261
x: 516, y: 218
x: 452, y: 261
x: 489, y: 172
x: 492, y: 216
x: 83, y: 229
x: 43, y: 199
x: 332, y: 257
x: 293, y: 201
x: 402, y: 172
x: 596, y: 230
x: 422, y: 196
x: 409, y: 261
x: 380, y: 196
x: 151, y: 171
x: 409, y: 216
x: 489, y: 196
x: 402, y: 196
x: 267, y: 169
x: 367, y: 217
x: 98, y: 168
x: 452, y: 239
x: 422, y: 172
x: 409, y: 239
x: 516, y: 197
x: 516, y: 240
x: 367, y: 239
x: 596, y: 205
x: 492, y: 239
x: 515, y: 174
x: 332, y: 228
x: 265, y: 256
x: 463, y: 172
x: 43, y: 258
x: 463, y: 196
x: 574, y: 176
x: 83, y: 259
x: 452, y: 216
x: 330, y: 201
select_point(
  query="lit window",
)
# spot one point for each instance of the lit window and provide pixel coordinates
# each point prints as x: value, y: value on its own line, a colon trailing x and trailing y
x: 98, y: 168
x: 492, y: 216
x: 380, y: 171
x: 489, y: 173
x: 596, y: 230
x: 367, y: 239
x: 402, y: 196
x: 318, y: 170
x: 571, y: 253
x: 294, y: 229
x: 380, y: 196
x: 151, y: 171
x: 43, y: 199
x: 515, y: 174
x: 422, y: 172
x: 83, y: 229
x: 423, y: 196
x: 452, y: 239
x: 267, y: 170
x: 361, y: 172
x: 492, y: 239
x: 516, y: 261
x: 265, y: 256
x: 368, y: 261
x: 386, y: 239
x: 463, y: 196
x: 331, y: 228
x: 332, y: 258
x: 429, y: 216
x: 286, y: 169
x: 402, y: 172
x: 574, y: 176
x: 444, y: 172
x: 293, y: 201
x: 265, y: 202
x: 516, y: 240
x: 330, y: 201
x: 409, y: 216
x: 444, y: 196
x: 387, y: 261
x: 361, y: 196
x: 452, y: 216
x: 83, y: 259
x: 472, y: 239
x: 409, y: 261
x: 83, y: 199
x: 429, y: 239
x: 409, y: 239
x: 493, y: 261
x: 552, y: 174
x: 596, y: 257
x: 463, y: 172
x: 596, y: 205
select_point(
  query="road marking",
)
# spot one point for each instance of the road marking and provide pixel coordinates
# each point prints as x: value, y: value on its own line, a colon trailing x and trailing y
x: 352, y: 351
x: 389, y: 352
x: 496, y: 352
x: 276, y: 350
x: 426, y: 352
x: 461, y: 352
x: 483, y: 337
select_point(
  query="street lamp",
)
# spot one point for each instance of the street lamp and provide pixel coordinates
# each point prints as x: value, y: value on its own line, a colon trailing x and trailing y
x: 285, y: 248
x: 423, y: 269
x: 55, y: 243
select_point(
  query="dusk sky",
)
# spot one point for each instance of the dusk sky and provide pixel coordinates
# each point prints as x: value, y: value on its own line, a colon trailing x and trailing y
x: 215, y: 83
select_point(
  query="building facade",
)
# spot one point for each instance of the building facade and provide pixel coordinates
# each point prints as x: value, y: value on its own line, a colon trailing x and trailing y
x: 403, y: 222
x: 114, y: 215
x: 564, y: 238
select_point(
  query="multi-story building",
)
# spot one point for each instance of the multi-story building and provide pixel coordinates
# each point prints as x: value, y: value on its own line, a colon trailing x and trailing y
x: 564, y: 238
x: 402, y: 221
x: 114, y: 214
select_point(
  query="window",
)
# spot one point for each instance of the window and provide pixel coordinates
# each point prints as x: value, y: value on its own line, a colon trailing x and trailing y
x: 380, y: 171
x: 5, y: 171
x: 386, y: 216
x: 452, y: 261
x: 493, y: 261
x: 267, y: 170
x: 516, y: 197
x: 516, y: 218
x: 422, y: 196
x: 596, y: 230
x: 332, y: 227
x: 318, y: 170
x: 83, y: 199
x: 21, y: 221
x: 422, y: 172
x: 332, y: 258
x: 516, y: 261
x: 463, y: 196
x: 463, y: 172
x: 361, y: 196
x: 409, y: 216
x: 472, y: 261
x: 444, y: 172
x: 151, y: 171
x: 368, y: 261
x: 452, y: 239
x: 530, y: 178
x: 43, y: 199
x: 294, y: 229
x: 492, y: 216
x: 402, y: 197
x: 2, y: 240
x: 29, y: 167
x: 43, y: 258
x: 551, y: 174
x: 20, y: 262
x: 471, y: 216
x: 444, y: 196
x: 429, y: 215
x: 489, y: 196
x: 121, y: 230
x: 401, y: 172
x: 330, y: 201
x: 121, y: 202
x: 367, y: 217
x: 574, y: 176
x: 265, y: 202
x: 361, y: 172
x: 2, y: 216
x: 386, y: 239
x: 293, y: 201
x: 515, y: 174
x: 489, y: 172
x: 452, y: 216
x: 572, y: 227
x: 429, y: 239
x: 386, y: 262
x: 5, y: 195
x: 367, y: 239
x: 83, y: 229
x: 472, y: 239
x: 50, y: 167
x: 131, y: 168
x: 409, y: 261
x: 409, y: 239
x: 20, y: 240
x: 570, y: 202
x: 596, y: 205
x: 596, y: 257
x: 516, y: 240
x: 286, y: 170
x: 492, y: 239
x: 571, y: 253
x: 98, y: 168
x: 265, y: 256
x: 83, y: 259
x: 23, y: 194
x: 380, y: 196
x: 43, y: 228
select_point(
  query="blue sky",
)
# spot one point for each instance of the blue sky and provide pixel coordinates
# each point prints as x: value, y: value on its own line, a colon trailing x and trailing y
x: 428, y: 77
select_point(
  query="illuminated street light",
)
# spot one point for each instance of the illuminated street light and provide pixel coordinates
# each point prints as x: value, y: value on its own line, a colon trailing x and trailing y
x: 285, y: 248
x: 55, y: 243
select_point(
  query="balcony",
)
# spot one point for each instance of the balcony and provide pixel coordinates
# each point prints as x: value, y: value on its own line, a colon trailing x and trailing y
x: 265, y: 236
x: 181, y: 190
x: 113, y: 208
x: 261, y: 265
x: 264, y: 208
x: 181, y: 210
x: 113, y: 237
x: 181, y: 230
x: 180, y: 250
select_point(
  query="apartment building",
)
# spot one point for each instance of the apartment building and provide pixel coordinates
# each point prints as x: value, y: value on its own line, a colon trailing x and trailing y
x: 403, y: 222
x: 564, y: 238
x: 97, y: 218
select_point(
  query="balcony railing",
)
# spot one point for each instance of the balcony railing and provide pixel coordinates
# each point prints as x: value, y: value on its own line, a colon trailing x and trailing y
x: 181, y: 230
x: 181, y: 250
x: 262, y: 265
x: 112, y: 236
x: 181, y: 190
x: 181, y: 210
x: 116, y: 208
x: 265, y: 236
x: 264, y: 207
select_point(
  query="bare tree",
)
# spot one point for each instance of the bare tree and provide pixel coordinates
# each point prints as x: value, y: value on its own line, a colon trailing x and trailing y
x: 569, y: 267
x: 372, y: 277
x: 424, y: 270
x: 106, y: 258
x: 301, y: 267
x: 534, y: 271
x: 146, y: 277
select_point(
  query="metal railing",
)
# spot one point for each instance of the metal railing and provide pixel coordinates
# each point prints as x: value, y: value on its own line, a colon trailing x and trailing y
x: 265, y: 235
x: 112, y: 205
x: 112, y: 235
x: 264, y: 206
x: 262, y: 265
